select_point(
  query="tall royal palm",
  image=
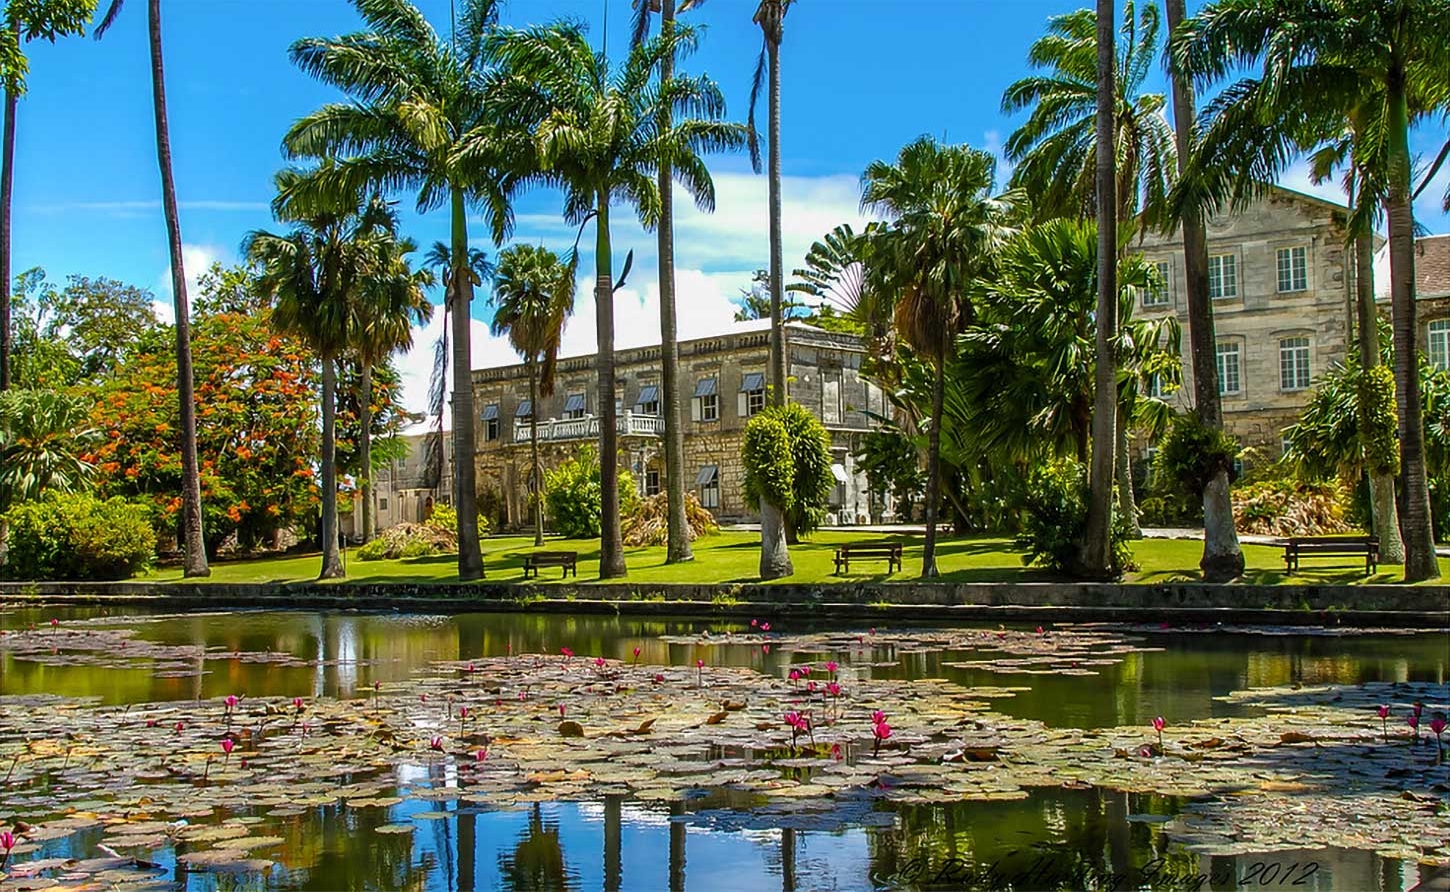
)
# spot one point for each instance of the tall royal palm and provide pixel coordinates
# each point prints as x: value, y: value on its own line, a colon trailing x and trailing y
x: 1316, y: 56
x: 597, y: 135
x: 944, y: 226
x: 770, y: 16
x: 533, y: 296
x: 478, y: 269
x: 418, y: 102
x: 677, y: 539
x: 193, y: 546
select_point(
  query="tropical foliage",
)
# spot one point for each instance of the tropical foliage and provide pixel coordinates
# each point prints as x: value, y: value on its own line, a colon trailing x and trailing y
x: 574, y: 495
x: 76, y: 537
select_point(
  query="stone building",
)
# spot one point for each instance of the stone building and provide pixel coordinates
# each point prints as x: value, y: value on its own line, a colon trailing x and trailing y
x: 1432, y: 294
x: 722, y: 381
x: 401, y: 490
x: 1282, y: 304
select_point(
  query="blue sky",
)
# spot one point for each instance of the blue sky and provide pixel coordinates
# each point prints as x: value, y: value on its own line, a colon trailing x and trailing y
x: 860, y: 79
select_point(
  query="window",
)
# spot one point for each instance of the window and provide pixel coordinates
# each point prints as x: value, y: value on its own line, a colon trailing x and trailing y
x: 1293, y: 363
x: 1157, y: 294
x: 706, y: 404
x: 652, y: 481
x: 382, y: 503
x: 525, y: 409
x: 649, y: 400
x: 1223, y: 276
x: 1285, y: 445
x: 708, y: 482
x: 751, y: 398
x: 1293, y: 269
x: 1440, y: 344
x: 490, y: 422
x: 1230, y: 379
x: 1155, y: 386
x: 574, y: 406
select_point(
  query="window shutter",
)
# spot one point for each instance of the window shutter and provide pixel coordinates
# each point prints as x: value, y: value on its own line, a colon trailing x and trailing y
x: 695, y: 409
x: 740, y: 408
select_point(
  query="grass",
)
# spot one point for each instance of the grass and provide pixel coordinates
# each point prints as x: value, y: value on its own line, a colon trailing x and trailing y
x: 733, y: 557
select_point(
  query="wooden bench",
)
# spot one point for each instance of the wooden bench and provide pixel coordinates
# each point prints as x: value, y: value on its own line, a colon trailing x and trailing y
x: 563, y: 559
x: 868, y: 551
x: 1299, y: 547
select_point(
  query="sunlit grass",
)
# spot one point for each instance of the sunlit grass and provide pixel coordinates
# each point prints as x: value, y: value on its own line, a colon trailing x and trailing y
x: 733, y: 557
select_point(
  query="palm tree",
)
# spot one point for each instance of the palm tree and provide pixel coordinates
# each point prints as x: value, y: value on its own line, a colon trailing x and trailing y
x: 677, y: 547
x: 597, y: 135
x: 43, y: 438
x: 770, y: 16
x: 1318, y: 58
x: 45, y: 20
x: 419, y: 122
x: 315, y: 274
x: 1222, y: 559
x: 478, y: 268
x: 533, y: 296
x: 387, y: 307
x: 944, y: 229
x: 193, y: 546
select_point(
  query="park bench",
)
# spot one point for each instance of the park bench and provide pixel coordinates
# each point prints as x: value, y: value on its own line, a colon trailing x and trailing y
x: 563, y: 559
x: 868, y: 551
x: 1299, y: 547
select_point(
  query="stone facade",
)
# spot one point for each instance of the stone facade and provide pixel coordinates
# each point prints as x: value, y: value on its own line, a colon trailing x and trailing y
x: 1282, y: 304
x: 400, y: 489
x: 722, y: 385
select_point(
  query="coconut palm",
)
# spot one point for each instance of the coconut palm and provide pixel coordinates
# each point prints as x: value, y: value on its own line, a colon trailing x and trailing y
x: 479, y: 269
x: 45, y: 20
x: 1318, y: 59
x: 193, y: 546
x: 770, y: 16
x: 533, y: 296
x: 597, y: 135
x: 677, y: 547
x: 387, y: 306
x: 418, y: 121
x: 943, y: 229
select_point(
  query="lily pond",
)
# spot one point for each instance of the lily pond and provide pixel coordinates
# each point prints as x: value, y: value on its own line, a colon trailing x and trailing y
x: 338, y: 750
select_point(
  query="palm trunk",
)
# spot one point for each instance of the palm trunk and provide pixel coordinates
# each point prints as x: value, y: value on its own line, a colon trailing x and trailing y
x: 1419, y: 537
x: 331, y: 556
x: 1127, y: 504
x: 365, y: 450
x: 465, y: 489
x: 777, y: 273
x: 1384, y: 513
x: 536, y: 490
x: 1097, y: 539
x: 611, y: 544
x: 1222, y: 559
x: 7, y: 191
x: 933, y: 467
x: 678, y: 533
x: 193, y: 544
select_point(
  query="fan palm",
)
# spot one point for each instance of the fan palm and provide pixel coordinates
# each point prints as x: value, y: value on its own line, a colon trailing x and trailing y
x: 770, y: 16
x: 944, y: 228
x: 597, y: 135
x: 43, y: 438
x: 533, y: 296
x: 193, y: 546
x: 1319, y: 59
x: 418, y: 121
x: 478, y: 269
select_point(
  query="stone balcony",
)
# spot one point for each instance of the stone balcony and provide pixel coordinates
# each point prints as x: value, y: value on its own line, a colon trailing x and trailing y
x: 628, y: 424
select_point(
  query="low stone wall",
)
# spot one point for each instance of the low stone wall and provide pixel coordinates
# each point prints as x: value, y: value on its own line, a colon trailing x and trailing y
x: 1353, y: 605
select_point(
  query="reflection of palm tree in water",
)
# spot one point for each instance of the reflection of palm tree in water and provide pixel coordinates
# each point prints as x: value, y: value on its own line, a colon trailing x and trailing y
x: 538, y: 860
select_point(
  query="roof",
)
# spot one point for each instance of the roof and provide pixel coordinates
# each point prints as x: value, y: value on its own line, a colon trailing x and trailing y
x: 1432, y: 268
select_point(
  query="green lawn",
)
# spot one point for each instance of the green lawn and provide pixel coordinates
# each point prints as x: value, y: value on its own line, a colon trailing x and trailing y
x: 732, y: 557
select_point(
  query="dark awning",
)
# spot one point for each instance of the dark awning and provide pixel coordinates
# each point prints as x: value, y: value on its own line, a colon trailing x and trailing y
x: 525, y: 409
x: 752, y: 382
x: 705, y: 387
x: 490, y: 412
x: 575, y: 403
x: 648, y: 394
x: 707, y: 475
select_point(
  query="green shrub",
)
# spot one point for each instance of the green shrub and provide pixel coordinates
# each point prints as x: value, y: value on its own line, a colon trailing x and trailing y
x: 1055, y: 510
x: 1191, y: 454
x: 787, y: 458
x: 78, y: 537
x: 439, y: 535
x: 375, y: 550
x: 573, y: 495
x: 418, y: 548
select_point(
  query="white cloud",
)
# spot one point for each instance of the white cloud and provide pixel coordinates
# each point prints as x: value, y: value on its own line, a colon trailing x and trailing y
x: 1297, y: 177
x: 416, y: 366
x: 195, y: 259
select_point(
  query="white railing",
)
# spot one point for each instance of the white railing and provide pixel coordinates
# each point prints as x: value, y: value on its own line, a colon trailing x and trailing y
x: 628, y: 424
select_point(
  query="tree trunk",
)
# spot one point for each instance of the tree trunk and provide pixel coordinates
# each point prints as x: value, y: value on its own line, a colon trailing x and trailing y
x: 774, y: 553
x: 193, y: 545
x: 1419, y: 537
x: 365, y: 450
x: 777, y: 273
x: 1222, y: 559
x: 465, y: 488
x: 933, y: 467
x: 1127, y: 505
x: 331, y: 556
x: 611, y: 543
x: 7, y: 191
x: 1384, y: 512
x: 1097, y: 539
x: 677, y: 547
x: 536, y: 475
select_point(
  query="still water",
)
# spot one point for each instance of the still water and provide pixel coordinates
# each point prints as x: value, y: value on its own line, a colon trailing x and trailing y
x: 1069, y: 838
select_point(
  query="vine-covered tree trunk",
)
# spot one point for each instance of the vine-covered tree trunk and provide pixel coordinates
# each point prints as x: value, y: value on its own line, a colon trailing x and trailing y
x: 1385, y: 513
x: 774, y: 553
x: 1127, y: 504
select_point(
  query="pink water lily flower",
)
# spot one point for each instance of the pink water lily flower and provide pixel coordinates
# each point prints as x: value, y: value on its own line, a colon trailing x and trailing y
x: 599, y: 662
x: 1158, y: 725
x: 755, y: 623
x: 832, y: 666
x: 232, y: 701
x: 566, y: 652
x: 765, y: 627
x: 833, y: 689
x: 7, y: 840
x: 436, y: 744
x: 227, y: 745
x: 811, y: 686
x: 480, y: 755
x: 878, y: 717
